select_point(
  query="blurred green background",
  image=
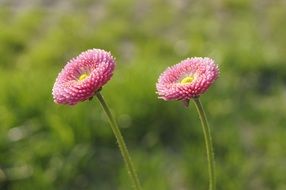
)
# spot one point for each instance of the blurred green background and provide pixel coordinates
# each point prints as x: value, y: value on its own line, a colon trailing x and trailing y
x: 47, y: 146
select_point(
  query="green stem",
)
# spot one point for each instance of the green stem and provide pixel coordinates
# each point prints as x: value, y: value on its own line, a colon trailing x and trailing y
x: 208, y: 142
x: 121, y: 143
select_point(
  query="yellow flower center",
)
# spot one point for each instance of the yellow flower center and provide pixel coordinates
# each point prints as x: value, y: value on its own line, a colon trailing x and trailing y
x: 83, y: 76
x: 187, y: 80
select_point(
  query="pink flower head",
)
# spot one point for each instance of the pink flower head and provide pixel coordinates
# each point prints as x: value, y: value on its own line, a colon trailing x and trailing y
x: 83, y: 76
x: 188, y: 79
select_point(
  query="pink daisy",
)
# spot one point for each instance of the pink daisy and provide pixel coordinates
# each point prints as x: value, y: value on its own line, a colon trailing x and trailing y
x: 188, y: 79
x: 83, y: 76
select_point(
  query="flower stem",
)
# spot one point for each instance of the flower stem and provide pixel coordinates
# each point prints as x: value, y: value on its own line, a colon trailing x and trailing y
x: 121, y: 143
x: 208, y: 142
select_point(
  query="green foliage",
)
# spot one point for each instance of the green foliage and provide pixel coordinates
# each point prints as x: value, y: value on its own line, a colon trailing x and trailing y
x: 49, y: 146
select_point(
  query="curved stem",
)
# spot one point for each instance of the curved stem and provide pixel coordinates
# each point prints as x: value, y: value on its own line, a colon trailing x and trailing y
x: 208, y: 142
x: 121, y: 143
